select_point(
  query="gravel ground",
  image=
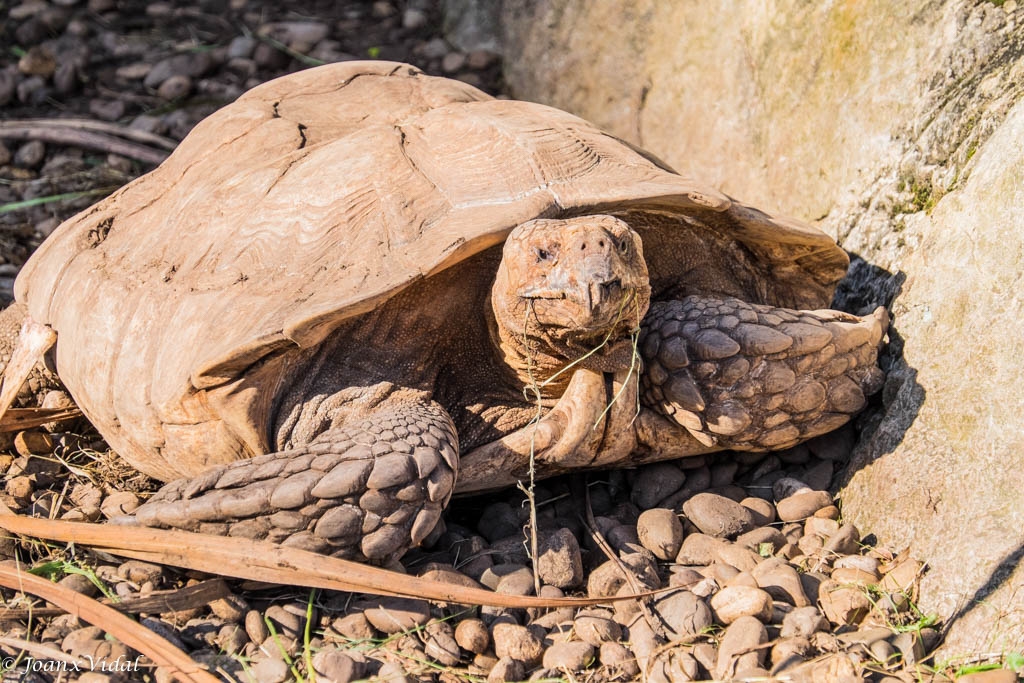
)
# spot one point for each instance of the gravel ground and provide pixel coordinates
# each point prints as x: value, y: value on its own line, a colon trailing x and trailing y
x: 769, y: 579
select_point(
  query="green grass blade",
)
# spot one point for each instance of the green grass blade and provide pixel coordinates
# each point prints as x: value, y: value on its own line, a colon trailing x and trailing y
x: 49, y: 199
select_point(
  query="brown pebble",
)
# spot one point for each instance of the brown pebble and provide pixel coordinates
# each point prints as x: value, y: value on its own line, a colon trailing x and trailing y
x: 20, y: 488
x: 607, y: 578
x: 270, y: 671
x: 660, y: 531
x: 137, y: 571
x: 440, y: 643
x: 472, y: 635
x: 507, y: 669
x: 119, y: 503
x: 619, y: 660
x: 571, y: 656
x: 843, y: 605
x: 718, y: 516
x: 596, y: 630
x: 655, y: 482
x: 232, y: 638
x: 175, y: 87
x: 782, y: 581
x: 789, y: 652
x: 355, y: 627
x: 255, y: 626
x: 762, y: 510
x: 846, y: 541
x: 856, y: 577
x: 684, y: 614
x: 37, y: 61
x: 829, y: 512
x: 733, y: 602
x: 744, y: 559
x: 672, y: 665
x: 337, y: 666
x: 29, y: 443
x: 699, y: 549
x: 517, y: 642
x: 738, y: 649
x: 30, y: 155
x: 394, y: 615
x: 802, y: 505
x: 560, y: 563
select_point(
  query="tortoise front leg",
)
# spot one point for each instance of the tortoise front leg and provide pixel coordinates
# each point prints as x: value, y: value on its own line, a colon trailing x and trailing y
x: 369, y: 489
x: 752, y: 377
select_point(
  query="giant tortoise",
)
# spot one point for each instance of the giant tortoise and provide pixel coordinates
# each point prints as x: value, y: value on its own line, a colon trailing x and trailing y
x: 360, y: 289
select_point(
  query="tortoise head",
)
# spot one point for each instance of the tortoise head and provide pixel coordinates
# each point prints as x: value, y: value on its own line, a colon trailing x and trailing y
x: 568, y: 287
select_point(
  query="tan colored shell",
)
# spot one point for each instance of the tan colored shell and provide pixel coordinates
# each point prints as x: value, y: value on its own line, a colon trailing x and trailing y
x: 311, y: 199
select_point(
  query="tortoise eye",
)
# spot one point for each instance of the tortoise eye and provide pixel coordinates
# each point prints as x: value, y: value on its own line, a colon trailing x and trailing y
x: 624, y: 245
x: 543, y: 254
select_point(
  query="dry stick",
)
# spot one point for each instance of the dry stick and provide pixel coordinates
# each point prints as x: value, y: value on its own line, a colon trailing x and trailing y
x: 264, y: 561
x: 157, y: 602
x: 17, y: 419
x: 159, y: 650
x: 115, y: 129
x: 529, y: 493
x: 591, y: 524
x: 87, y: 139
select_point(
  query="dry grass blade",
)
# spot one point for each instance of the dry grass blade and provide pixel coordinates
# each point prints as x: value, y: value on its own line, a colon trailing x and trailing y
x: 158, y: 602
x: 159, y: 650
x: 263, y: 561
x: 100, y: 142
x: 17, y: 419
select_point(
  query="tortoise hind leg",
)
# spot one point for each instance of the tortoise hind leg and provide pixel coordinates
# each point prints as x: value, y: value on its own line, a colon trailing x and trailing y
x: 753, y: 377
x: 368, y: 489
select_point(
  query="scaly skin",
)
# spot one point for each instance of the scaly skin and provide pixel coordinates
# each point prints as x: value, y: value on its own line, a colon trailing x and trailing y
x: 754, y: 378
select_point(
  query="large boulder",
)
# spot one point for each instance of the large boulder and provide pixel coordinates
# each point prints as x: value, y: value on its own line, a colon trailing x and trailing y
x: 899, y: 127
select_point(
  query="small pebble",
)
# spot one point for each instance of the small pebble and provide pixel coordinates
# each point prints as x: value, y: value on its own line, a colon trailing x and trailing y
x: 570, y: 656
x: 735, y: 601
x: 597, y: 630
x: 802, y: 505
x: 738, y: 649
x: 30, y: 154
x: 517, y: 642
x: 661, y: 532
x: 394, y: 615
x: 472, y: 636
x: 619, y: 660
x: 718, y: 516
x: 656, y: 482
x: 560, y: 563
x: 271, y: 671
x: 507, y: 669
x: 684, y: 614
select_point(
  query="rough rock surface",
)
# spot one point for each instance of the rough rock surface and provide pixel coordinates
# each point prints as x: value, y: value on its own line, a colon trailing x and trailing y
x: 898, y: 127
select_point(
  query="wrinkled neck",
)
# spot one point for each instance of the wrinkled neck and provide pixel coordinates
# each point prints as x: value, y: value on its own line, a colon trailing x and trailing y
x: 528, y: 360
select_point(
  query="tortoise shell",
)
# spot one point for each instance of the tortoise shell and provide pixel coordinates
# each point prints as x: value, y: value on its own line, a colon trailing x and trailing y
x: 179, y: 300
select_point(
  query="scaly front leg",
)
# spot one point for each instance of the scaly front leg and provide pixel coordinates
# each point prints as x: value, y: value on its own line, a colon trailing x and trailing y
x: 751, y: 377
x: 367, y: 489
